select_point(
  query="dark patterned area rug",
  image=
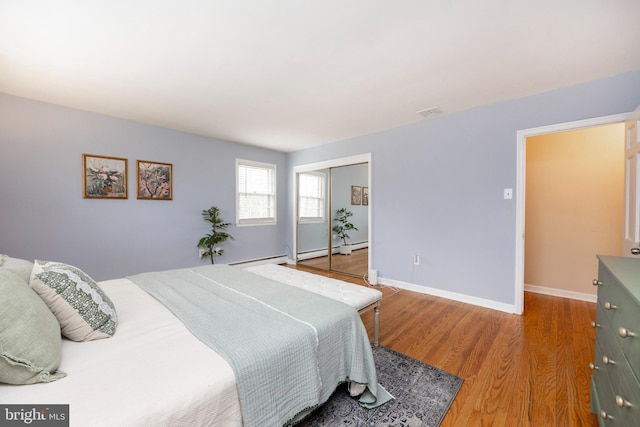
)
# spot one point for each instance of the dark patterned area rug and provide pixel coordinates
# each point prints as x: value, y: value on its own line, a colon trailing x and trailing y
x: 422, y: 394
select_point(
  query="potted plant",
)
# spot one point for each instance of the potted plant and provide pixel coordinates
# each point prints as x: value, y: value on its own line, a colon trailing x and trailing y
x: 209, y: 243
x: 342, y: 227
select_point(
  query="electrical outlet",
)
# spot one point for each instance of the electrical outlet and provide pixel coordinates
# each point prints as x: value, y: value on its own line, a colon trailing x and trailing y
x: 200, y: 252
x: 416, y: 260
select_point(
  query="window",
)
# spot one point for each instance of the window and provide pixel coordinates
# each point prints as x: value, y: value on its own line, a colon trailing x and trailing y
x: 256, y: 190
x: 311, y: 205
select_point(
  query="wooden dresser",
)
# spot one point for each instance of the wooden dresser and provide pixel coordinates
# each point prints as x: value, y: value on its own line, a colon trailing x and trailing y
x: 615, y: 385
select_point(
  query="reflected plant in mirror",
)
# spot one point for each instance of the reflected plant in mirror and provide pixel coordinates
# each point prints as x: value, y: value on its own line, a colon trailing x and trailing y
x: 342, y: 227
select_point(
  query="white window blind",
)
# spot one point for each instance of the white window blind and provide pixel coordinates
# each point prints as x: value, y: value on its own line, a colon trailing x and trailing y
x: 256, y: 193
x: 311, y: 199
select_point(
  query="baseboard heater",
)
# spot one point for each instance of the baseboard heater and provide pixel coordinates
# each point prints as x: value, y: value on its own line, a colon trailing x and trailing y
x: 277, y: 259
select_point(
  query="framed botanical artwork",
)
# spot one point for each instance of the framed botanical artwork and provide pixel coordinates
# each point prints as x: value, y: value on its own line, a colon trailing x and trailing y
x: 104, y: 177
x: 356, y: 195
x: 365, y: 196
x: 155, y: 180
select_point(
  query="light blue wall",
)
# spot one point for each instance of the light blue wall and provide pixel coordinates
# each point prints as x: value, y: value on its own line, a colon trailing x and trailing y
x: 437, y: 186
x: 43, y: 214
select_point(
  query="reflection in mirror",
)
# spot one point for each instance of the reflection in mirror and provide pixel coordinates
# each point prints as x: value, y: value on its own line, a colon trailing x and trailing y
x: 313, y: 227
x: 350, y: 254
x: 321, y: 194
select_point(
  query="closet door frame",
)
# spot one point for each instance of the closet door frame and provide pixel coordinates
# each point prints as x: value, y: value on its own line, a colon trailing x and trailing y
x: 327, y: 164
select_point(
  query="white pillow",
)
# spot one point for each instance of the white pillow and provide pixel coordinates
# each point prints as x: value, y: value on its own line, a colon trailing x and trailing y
x: 83, y: 310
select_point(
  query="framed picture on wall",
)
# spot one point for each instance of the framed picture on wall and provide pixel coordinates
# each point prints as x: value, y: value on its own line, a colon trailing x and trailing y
x: 365, y: 196
x: 356, y: 195
x: 104, y: 177
x: 155, y: 180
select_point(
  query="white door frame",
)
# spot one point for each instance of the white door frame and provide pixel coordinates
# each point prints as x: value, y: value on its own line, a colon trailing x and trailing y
x: 631, y: 185
x: 521, y: 139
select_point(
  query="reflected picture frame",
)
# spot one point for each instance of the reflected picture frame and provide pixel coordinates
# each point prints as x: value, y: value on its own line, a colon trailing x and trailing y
x: 356, y: 195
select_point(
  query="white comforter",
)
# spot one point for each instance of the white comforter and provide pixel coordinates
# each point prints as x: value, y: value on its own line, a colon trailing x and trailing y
x: 153, y: 371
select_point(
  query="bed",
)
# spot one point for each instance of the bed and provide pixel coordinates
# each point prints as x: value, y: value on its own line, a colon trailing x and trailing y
x: 154, y: 371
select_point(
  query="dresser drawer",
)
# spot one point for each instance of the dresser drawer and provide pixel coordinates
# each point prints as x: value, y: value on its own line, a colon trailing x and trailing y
x: 610, y: 352
x: 627, y: 399
x: 615, y: 388
x: 624, y: 387
x: 619, y: 309
x: 601, y: 387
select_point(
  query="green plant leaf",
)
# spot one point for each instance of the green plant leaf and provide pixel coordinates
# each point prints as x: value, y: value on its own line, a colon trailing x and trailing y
x: 217, y: 234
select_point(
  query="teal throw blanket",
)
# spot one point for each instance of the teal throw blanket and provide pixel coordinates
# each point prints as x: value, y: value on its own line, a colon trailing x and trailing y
x: 289, y: 348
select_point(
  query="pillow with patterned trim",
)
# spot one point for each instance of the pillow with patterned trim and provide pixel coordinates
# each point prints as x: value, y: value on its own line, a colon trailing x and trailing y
x: 21, y: 267
x: 84, y: 311
x: 30, y: 341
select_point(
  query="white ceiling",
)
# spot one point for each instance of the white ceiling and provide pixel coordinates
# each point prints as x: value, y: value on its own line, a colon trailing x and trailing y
x: 291, y: 74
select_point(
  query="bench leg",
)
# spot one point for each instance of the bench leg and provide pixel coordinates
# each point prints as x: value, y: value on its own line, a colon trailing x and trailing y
x: 376, y: 323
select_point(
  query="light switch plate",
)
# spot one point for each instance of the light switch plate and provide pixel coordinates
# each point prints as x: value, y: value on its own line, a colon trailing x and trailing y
x: 508, y: 193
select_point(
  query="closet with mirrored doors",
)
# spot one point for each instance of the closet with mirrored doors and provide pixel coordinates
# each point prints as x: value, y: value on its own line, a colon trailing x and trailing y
x: 333, y: 218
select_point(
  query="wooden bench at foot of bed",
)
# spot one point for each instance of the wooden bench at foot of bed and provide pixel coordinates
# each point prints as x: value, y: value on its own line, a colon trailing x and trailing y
x: 361, y: 298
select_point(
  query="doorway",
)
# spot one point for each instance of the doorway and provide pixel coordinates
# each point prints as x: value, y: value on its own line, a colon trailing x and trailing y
x: 574, y: 208
x: 521, y: 139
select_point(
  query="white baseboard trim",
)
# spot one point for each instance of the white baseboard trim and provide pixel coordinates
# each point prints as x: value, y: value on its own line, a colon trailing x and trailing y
x: 561, y: 293
x: 481, y: 302
x: 357, y: 246
x: 323, y: 252
x: 467, y: 299
x: 494, y: 305
x: 312, y: 254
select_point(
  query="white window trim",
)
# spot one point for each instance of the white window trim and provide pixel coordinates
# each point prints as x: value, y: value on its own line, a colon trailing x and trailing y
x: 315, y: 219
x: 256, y: 221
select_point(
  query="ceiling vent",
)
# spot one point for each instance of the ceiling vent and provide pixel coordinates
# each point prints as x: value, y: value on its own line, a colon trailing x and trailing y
x: 430, y: 112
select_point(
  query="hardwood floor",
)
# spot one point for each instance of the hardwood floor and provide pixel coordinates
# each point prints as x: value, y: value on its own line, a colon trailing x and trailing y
x: 356, y: 263
x: 530, y: 370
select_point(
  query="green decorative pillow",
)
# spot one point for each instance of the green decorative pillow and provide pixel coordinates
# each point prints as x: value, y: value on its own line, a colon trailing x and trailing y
x: 84, y: 311
x: 21, y: 267
x: 30, y: 341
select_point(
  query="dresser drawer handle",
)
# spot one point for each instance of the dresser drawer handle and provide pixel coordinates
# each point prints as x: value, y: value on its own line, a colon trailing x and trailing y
x: 593, y: 366
x: 596, y: 282
x: 625, y: 333
x: 621, y: 403
x: 609, y: 306
x: 608, y: 361
x: 605, y: 416
x: 596, y: 325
